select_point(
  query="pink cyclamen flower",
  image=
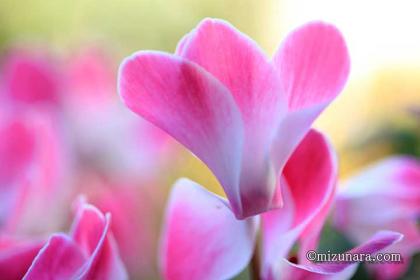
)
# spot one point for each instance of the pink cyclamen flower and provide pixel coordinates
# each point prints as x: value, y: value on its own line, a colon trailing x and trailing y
x: 32, y: 167
x: 30, y: 79
x: 240, y: 112
x: 202, y: 239
x: 89, y: 252
x: 133, y: 208
x: 384, y: 196
x: 90, y: 90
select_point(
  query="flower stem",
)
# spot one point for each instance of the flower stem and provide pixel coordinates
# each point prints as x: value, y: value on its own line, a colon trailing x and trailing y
x: 255, y: 262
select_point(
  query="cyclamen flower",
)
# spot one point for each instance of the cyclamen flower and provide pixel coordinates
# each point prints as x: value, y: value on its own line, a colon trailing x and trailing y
x: 384, y: 196
x: 32, y: 163
x: 89, y: 252
x: 30, y: 79
x: 202, y: 239
x: 240, y: 112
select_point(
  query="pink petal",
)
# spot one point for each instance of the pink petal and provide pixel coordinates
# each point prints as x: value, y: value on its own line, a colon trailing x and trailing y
x: 137, y: 236
x: 91, y: 80
x: 89, y: 253
x: 36, y: 139
x: 394, y: 185
x: 202, y: 238
x: 91, y: 232
x: 16, y: 149
x: 308, y: 184
x: 16, y: 257
x: 313, y: 65
x: 236, y: 61
x: 30, y: 79
x: 195, y: 108
x: 321, y: 271
x: 60, y: 258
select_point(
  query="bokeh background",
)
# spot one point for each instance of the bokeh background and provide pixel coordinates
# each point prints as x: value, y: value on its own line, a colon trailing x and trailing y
x: 378, y: 113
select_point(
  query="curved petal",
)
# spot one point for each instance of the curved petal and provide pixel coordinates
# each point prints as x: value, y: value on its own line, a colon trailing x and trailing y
x: 16, y: 257
x: 308, y: 183
x: 394, y: 176
x: 202, y: 238
x: 59, y: 250
x: 394, y: 185
x: 136, y: 236
x: 91, y: 231
x: 340, y: 270
x: 184, y: 100
x: 313, y: 65
x: 88, y: 253
x: 236, y: 61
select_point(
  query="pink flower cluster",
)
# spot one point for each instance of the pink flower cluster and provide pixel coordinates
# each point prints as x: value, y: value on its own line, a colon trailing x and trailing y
x: 248, y: 117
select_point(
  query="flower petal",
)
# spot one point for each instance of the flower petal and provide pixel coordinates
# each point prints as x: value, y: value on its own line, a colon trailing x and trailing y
x: 16, y: 257
x: 343, y: 270
x: 394, y: 185
x: 236, y: 61
x: 308, y: 184
x: 30, y: 79
x: 202, y: 238
x: 88, y: 253
x: 91, y: 232
x: 60, y: 257
x: 16, y: 149
x: 184, y: 100
x: 313, y: 65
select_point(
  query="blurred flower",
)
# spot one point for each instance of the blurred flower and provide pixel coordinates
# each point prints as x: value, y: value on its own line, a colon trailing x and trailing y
x: 239, y: 112
x: 202, y: 238
x: 16, y: 256
x: 135, y: 211
x: 32, y: 167
x: 30, y: 79
x: 384, y: 196
x: 88, y: 252
x: 99, y: 122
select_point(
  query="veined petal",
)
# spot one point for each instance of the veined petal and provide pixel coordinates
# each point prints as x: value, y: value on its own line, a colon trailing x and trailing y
x: 183, y: 99
x: 308, y: 184
x: 202, y: 238
x: 237, y: 61
x: 313, y: 65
